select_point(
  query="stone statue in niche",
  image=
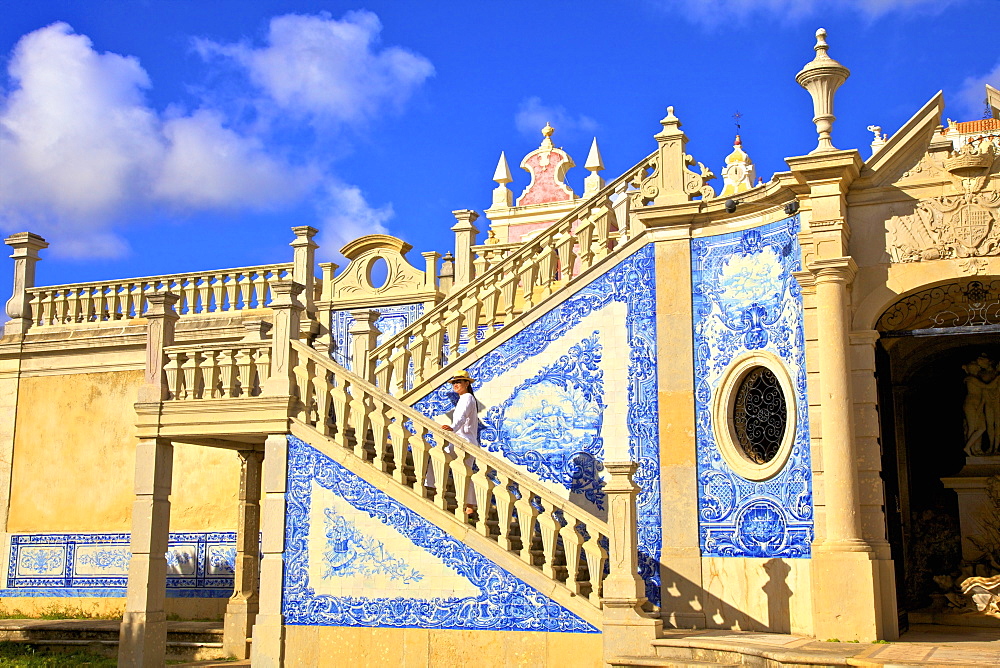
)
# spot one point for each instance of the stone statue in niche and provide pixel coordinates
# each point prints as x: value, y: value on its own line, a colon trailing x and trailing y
x: 982, y: 407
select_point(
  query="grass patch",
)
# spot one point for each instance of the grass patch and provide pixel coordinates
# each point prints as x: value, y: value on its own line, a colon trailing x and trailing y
x: 55, y: 612
x: 832, y: 640
x: 880, y: 642
x: 21, y: 655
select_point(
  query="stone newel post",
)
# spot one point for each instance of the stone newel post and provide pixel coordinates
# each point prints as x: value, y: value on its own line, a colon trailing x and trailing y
x: 243, y: 605
x: 287, y: 315
x: 627, y: 629
x: 304, y: 261
x: 364, y: 339
x: 465, y: 238
x: 162, y: 320
x: 26, y: 246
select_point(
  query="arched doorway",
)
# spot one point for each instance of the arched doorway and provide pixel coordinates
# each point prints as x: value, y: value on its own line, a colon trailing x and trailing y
x: 935, y: 344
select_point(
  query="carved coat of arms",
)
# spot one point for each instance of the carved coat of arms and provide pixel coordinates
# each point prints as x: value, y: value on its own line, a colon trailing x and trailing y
x: 965, y: 225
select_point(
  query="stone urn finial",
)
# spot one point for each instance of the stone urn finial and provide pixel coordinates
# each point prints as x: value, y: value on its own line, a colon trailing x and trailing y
x: 822, y: 77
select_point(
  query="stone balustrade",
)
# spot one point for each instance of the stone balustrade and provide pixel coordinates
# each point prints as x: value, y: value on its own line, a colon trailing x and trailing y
x: 512, y: 279
x: 205, y: 292
x: 546, y: 531
x: 217, y: 371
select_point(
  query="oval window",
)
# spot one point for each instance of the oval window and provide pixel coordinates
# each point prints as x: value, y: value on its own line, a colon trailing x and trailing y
x: 760, y: 415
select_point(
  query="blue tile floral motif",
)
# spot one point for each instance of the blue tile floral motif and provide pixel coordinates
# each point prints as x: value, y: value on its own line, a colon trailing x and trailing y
x: 96, y: 565
x: 551, y: 424
x: 391, y: 320
x: 632, y: 282
x: 350, y: 552
x: 745, y: 298
x: 504, y: 604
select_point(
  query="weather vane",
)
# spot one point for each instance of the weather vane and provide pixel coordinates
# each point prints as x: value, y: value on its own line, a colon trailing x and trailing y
x: 736, y: 117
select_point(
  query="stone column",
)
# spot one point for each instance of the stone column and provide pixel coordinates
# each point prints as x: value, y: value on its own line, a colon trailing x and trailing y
x: 465, y: 239
x: 267, y: 649
x: 161, y: 321
x: 364, y: 339
x: 627, y: 629
x: 143, y: 635
x: 287, y: 314
x: 304, y: 259
x: 26, y: 246
x: 243, y: 604
x: 840, y: 481
x: 431, y: 259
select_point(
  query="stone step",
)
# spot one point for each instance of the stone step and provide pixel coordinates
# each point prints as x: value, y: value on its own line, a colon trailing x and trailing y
x: 657, y: 661
x: 186, y: 641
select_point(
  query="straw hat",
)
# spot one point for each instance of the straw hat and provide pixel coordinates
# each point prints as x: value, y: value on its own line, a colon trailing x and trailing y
x: 462, y: 375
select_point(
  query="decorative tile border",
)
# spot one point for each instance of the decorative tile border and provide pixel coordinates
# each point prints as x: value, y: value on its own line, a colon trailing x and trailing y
x: 504, y: 602
x: 745, y: 298
x: 632, y: 282
x: 199, y: 564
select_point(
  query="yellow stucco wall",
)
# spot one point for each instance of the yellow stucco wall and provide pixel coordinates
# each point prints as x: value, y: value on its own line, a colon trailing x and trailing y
x: 321, y: 646
x: 73, y: 461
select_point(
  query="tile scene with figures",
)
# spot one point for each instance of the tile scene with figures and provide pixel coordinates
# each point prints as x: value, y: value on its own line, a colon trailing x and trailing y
x: 575, y: 388
x: 746, y: 299
x: 356, y: 557
x: 199, y: 564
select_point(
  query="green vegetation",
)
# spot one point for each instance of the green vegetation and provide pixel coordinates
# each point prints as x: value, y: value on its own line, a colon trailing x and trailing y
x: 20, y: 655
x: 55, y: 612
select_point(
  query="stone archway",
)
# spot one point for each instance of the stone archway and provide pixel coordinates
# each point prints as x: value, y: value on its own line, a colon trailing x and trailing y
x: 934, y: 344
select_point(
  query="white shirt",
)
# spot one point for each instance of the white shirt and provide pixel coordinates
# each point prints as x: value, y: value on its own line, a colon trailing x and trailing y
x: 465, y: 419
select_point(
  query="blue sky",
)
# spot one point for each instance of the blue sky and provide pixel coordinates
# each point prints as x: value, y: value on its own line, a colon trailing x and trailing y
x: 155, y: 137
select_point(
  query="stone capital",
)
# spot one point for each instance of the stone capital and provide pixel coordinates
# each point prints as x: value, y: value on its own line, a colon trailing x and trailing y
x: 816, y: 168
x: 465, y: 218
x: 304, y: 236
x: 161, y: 305
x: 26, y: 245
x: 834, y: 270
x: 285, y: 294
x: 861, y: 337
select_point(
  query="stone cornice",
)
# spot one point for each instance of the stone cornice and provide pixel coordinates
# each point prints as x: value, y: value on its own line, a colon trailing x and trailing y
x: 841, y: 269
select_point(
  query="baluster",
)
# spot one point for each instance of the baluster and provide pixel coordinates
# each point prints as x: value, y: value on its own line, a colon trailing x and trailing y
x: 379, y: 425
x: 261, y: 289
x: 602, y: 232
x: 358, y: 421
x: 549, y: 526
x: 190, y: 289
x: 504, y: 498
x: 245, y: 290
x: 480, y: 264
x: 244, y: 369
x: 482, y: 487
x: 596, y: 556
x: 113, y: 302
x: 508, y: 286
x: 187, y: 390
x: 209, y: 373
x: 418, y: 348
x: 572, y: 544
x: 321, y: 395
x: 398, y: 435
x: 262, y: 362
x: 61, y: 307
x: 453, y: 325
x: 48, y: 307
x: 419, y: 449
x: 527, y: 512
x: 584, y: 242
x: 546, y: 268
x: 218, y: 293
x: 435, y: 345
x: 567, y: 259
x: 174, y: 376
x: 400, y: 361
x: 470, y: 313
x: 227, y: 373
x: 440, y: 459
x: 528, y: 273
x: 461, y: 472
x: 73, y: 306
x: 231, y: 292
x: 382, y: 374
x: 303, y: 371
x: 488, y: 298
x: 341, y: 404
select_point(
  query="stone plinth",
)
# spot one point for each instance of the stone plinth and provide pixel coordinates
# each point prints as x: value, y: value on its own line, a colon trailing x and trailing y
x: 974, y: 505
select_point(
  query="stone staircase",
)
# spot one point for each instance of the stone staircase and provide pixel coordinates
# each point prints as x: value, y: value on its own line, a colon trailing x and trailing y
x: 186, y: 641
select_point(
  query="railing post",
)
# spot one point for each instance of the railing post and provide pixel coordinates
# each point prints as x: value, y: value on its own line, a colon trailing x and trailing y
x: 242, y: 607
x: 446, y: 279
x: 287, y: 314
x: 670, y: 157
x: 627, y: 629
x: 465, y: 239
x: 26, y: 246
x: 364, y: 339
x: 303, y: 270
x: 430, y: 269
x: 324, y: 308
x: 162, y: 320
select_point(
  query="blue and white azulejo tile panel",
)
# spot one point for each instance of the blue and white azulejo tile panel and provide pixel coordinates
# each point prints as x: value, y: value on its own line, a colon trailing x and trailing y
x: 745, y: 298
x: 577, y: 387
x: 356, y: 557
x: 391, y: 320
x: 199, y: 564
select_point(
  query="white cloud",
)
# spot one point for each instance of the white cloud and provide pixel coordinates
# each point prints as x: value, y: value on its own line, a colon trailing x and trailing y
x: 346, y: 215
x: 330, y: 70
x: 533, y: 114
x: 971, y: 95
x: 714, y: 13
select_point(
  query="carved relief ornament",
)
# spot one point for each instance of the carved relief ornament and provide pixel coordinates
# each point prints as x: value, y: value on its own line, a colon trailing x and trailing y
x: 963, y: 225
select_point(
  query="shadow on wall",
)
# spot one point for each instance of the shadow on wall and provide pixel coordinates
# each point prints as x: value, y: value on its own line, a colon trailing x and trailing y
x: 688, y: 605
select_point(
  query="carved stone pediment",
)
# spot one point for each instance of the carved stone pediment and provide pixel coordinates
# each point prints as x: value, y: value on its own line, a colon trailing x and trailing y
x: 965, y: 224
x: 402, y: 279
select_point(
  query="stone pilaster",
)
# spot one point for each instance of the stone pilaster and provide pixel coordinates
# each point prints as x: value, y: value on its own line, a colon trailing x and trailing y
x: 243, y: 605
x: 143, y: 635
x: 161, y: 319
x: 364, y: 339
x: 267, y: 649
x: 465, y: 239
x: 26, y: 246
x: 287, y: 315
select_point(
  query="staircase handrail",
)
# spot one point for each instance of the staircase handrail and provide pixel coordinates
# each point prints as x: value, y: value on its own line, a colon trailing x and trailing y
x: 561, y: 257
x: 325, y: 387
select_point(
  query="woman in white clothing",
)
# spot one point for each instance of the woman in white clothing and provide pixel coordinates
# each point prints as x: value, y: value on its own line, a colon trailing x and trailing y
x: 465, y: 423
